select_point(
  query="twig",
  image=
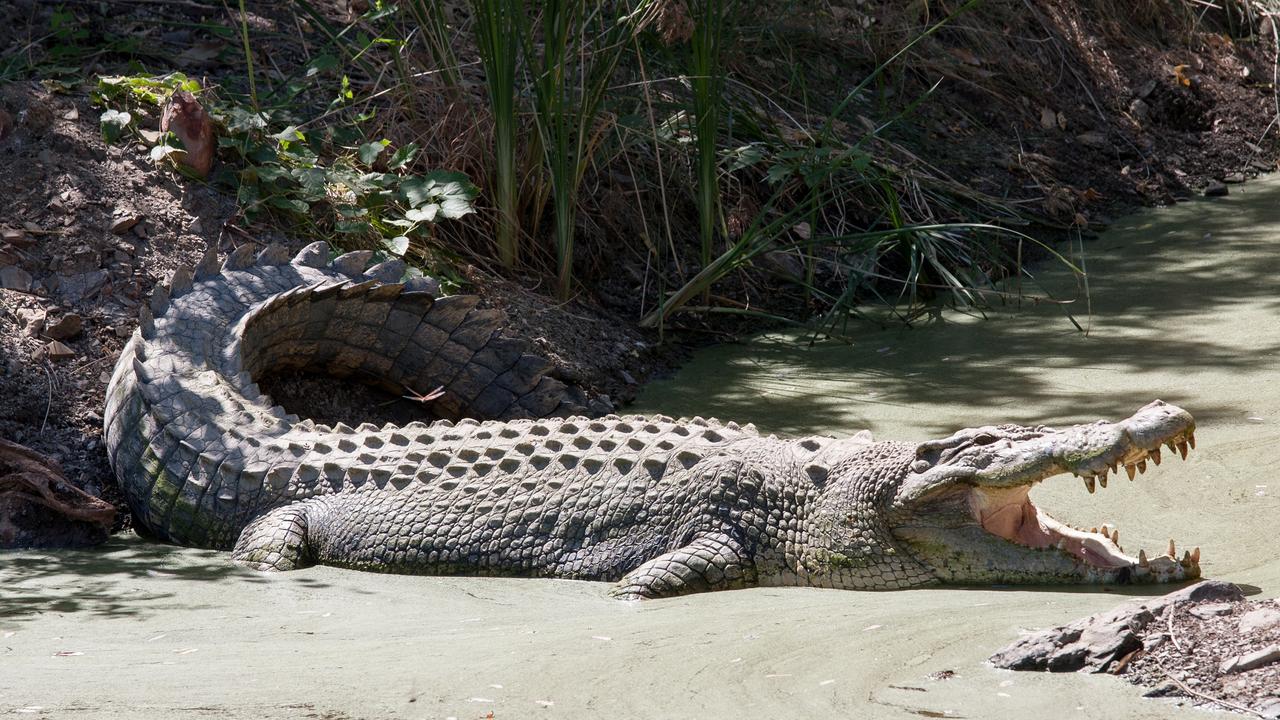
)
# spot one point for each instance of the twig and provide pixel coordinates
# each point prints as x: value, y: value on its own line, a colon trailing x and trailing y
x: 1172, y: 635
x: 48, y: 403
x: 1205, y: 696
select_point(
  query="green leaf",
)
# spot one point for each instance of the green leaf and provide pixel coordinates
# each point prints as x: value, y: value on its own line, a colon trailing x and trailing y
x: 402, y: 156
x: 352, y: 226
x: 242, y: 120
x: 113, y: 124
x: 288, y: 136
x: 160, y: 152
x: 397, y: 246
x: 286, y: 203
x: 426, y: 213
x: 369, y: 152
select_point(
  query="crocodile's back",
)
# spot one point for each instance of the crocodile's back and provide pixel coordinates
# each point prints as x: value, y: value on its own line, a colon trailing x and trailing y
x: 199, y: 451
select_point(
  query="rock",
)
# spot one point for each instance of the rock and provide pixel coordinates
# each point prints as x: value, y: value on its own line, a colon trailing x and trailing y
x: 32, y: 320
x: 75, y: 288
x: 123, y: 220
x: 15, y: 237
x: 15, y: 278
x: 1140, y: 111
x: 66, y: 328
x: 1098, y: 642
x: 1234, y: 178
x: 1147, y: 88
x: 1204, y: 612
x: 187, y: 119
x: 57, y: 351
x: 1260, y: 619
x: 1250, y: 661
x: 1269, y: 710
x: 1048, y: 119
x: 1216, y: 189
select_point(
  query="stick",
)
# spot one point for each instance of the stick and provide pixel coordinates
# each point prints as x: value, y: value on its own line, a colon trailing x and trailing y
x: 1203, y: 696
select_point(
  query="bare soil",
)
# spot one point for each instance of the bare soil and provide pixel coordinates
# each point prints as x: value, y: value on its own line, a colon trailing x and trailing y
x: 1188, y: 653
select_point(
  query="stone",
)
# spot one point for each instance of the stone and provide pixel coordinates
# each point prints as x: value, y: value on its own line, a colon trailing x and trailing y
x: 79, y: 286
x: 1269, y: 710
x: 66, y: 328
x: 15, y: 278
x: 1216, y: 189
x: 1092, y: 139
x: 1204, y: 612
x: 15, y: 236
x: 1259, y: 619
x: 1098, y: 642
x: 122, y: 221
x: 1250, y: 661
x: 1234, y: 178
x: 55, y: 350
x: 32, y: 320
x: 1140, y: 111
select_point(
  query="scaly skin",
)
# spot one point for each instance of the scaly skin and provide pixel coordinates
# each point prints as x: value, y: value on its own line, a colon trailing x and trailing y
x: 661, y: 506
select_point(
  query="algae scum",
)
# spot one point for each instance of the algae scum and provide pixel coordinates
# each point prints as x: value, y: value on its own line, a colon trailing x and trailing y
x: 1184, y: 308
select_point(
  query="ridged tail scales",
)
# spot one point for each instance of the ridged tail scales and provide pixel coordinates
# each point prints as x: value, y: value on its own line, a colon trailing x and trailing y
x: 199, y: 451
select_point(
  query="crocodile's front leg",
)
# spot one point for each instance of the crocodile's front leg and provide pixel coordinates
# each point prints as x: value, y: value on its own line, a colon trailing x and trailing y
x: 711, y: 562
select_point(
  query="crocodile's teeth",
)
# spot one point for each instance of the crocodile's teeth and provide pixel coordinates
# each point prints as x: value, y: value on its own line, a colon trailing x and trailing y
x: 1088, y: 483
x: 1154, y: 455
x: 1170, y: 444
x: 1142, y: 466
x: 1191, y: 440
x: 1173, y: 551
x: 1102, y: 478
x: 1115, y: 466
x: 1186, y: 558
x: 1094, y: 529
x: 1142, y: 558
x: 1195, y: 556
x: 1182, y: 449
x: 1115, y: 537
x: 1130, y: 471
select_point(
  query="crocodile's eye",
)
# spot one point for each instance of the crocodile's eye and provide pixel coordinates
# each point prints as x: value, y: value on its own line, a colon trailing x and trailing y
x: 920, y: 466
x: 984, y: 439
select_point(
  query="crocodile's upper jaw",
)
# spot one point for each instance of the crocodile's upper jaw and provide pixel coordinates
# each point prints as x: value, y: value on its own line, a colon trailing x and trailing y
x: 970, y: 517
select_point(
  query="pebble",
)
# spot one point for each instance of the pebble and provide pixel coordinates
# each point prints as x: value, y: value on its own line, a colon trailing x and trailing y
x: 15, y: 278
x: 1250, y: 661
x: 1216, y: 189
x: 57, y: 351
x: 66, y: 328
x: 123, y: 222
x: 1204, y: 612
x: 1260, y: 619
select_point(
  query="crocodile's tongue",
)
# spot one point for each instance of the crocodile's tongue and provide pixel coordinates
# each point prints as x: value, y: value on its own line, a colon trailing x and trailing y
x: 1009, y: 513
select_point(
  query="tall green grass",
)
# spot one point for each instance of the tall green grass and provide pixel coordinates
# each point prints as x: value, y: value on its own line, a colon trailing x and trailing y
x: 497, y: 23
x: 571, y: 48
x: 710, y: 18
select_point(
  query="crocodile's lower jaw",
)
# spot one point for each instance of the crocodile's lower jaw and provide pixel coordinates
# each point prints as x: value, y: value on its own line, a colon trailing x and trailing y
x: 1008, y: 513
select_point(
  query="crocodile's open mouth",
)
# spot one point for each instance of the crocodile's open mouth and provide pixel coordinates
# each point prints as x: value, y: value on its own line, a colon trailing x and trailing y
x: 1008, y: 513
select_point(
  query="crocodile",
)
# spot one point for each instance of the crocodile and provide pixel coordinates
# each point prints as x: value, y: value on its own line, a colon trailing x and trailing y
x: 514, y: 479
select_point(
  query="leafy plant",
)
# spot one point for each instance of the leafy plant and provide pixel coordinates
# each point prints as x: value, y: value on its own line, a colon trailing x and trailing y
x: 359, y: 195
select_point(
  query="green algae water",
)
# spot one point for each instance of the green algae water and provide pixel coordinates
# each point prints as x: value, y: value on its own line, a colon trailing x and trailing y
x: 1184, y: 306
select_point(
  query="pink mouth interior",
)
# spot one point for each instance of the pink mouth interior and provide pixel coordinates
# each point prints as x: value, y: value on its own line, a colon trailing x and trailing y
x: 1009, y: 513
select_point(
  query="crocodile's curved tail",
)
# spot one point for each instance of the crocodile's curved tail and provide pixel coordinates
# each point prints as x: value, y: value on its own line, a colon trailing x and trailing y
x: 199, y: 450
